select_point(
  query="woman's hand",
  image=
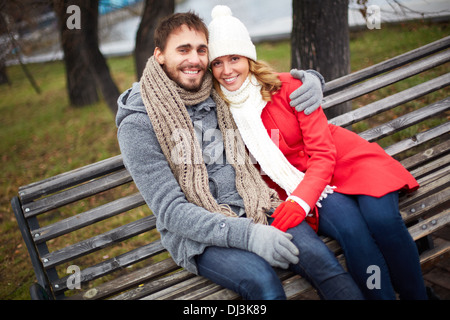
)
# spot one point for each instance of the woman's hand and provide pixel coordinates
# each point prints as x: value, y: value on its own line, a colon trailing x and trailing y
x: 288, y: 215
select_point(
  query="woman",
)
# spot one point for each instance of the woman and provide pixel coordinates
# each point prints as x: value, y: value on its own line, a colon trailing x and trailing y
x: 309, y: 158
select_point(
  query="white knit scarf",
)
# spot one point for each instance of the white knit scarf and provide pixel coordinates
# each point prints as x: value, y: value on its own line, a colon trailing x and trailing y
x: 246, y: 105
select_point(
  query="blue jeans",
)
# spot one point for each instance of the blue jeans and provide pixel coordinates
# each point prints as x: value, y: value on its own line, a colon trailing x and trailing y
x: 253, y: 278
x: 381, y: 255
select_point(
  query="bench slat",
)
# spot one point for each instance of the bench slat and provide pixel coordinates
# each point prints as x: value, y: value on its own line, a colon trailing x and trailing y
x: 68, y: 179
x: 151, y: 287
x: 76, y: 193
x: 390, y: 102
x: 209, y: 289
x: 108, y: 266
x: 426, y: 227
x: 386, y: 79
x: 172, y: 291
x: 406, y: 120
x: 426, y: 205
x: 418, y: 139
x: 138, y: 277
x: 430, y: 185
x: 86, y: 218
x: 439, y: 251
x: 387, y: 65
x: 419, y: 159
x: 98, y: 242
x: 431, y: 166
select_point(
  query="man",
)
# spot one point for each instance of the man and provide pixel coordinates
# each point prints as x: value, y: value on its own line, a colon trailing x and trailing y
x: 190, y: 165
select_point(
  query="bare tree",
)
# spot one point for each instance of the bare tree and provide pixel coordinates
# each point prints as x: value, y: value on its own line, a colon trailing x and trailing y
x: 86, y: 68
x: 154, y: 11
x: 320, y: 40
x: 12, y: 14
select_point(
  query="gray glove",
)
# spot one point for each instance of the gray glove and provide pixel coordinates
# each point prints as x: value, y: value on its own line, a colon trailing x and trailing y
x: 309, y: 95
x: 273, y: 245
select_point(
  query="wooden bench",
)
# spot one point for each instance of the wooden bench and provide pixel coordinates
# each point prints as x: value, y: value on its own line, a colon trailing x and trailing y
x: 91, y: 225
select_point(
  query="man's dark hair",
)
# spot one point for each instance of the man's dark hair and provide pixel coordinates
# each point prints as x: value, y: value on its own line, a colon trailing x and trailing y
x: 169, y: 24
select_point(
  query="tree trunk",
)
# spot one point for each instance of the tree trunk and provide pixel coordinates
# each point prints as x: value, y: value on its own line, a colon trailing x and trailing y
x: 97, y: 62
x: 3, y: 74
x: 81, y: 86
x: 154, y: 11
x: 86, y: 68
x: 320, y: 40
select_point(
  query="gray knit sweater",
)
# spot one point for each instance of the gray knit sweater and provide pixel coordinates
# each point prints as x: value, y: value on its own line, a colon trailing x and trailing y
x: 186, y: 229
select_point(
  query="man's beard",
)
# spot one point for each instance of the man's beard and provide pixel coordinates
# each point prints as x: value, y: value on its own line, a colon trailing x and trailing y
x: 189, y: 85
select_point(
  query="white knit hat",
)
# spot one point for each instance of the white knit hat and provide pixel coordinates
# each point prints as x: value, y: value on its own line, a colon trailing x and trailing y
x: 228, y: 35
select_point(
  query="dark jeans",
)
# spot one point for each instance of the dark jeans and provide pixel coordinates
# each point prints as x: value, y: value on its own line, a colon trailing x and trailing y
x: 376, y: 243
x: 253, y: 278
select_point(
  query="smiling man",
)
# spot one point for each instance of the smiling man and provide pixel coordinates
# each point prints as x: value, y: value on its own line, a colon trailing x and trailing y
x: 183, y: 56
x: 213, y: 216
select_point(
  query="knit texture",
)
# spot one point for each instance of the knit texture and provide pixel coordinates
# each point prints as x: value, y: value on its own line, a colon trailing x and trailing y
x: 166, y: 103
x: 228, y: 35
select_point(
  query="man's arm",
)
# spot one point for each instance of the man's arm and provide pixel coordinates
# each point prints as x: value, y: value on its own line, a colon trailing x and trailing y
x: 150, y: 170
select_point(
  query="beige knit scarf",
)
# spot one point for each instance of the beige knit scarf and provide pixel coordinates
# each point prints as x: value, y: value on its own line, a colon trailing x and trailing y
x: 166, y: 103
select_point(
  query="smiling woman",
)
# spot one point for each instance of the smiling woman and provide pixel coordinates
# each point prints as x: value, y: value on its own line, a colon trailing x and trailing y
x: 230, y: 71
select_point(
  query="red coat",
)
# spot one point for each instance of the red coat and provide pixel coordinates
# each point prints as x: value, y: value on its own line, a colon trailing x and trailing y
x: 329, y: 154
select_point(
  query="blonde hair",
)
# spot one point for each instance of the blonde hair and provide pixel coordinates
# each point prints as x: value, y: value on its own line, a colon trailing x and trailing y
x: 266, y: 76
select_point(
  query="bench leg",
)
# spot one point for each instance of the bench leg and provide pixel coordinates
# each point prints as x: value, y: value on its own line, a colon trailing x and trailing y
x: 26, y: 234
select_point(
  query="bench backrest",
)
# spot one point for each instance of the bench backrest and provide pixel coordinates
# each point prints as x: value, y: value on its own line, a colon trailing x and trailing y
x: 95, y: 219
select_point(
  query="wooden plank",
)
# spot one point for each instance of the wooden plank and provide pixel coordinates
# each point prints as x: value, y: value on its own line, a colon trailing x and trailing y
x: 173, y: 291
x: 431, y: 166
x: 406, y: 120
x: 87, y: 218
x: 392, y: 101
x: 387, y: 65
x: 155, y: 286
x: 98, y: 242
x: 68, y: 179
x: 208, y: 289
x: 426, y: 205
x: 125, y: 282
x: 431, y: 184
x: 113, y: 264
x: 429, y: 257
x: 434, y: 181
x: 418, y: 139
x: 76, y: 193
x: 224, y: 294
x: 386, y: 79
x: 430, y: 225
x: 421, y: 158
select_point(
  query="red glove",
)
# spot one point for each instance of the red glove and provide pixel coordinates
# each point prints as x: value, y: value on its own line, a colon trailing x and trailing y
x: 288, y: 215
x: 313, y: 219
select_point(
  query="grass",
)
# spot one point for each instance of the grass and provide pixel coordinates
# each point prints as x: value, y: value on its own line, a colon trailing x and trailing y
x: 41, y: 135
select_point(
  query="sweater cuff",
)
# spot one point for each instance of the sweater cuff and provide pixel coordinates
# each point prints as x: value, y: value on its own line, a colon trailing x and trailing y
x: 238, y: 232
x: 301, y: 203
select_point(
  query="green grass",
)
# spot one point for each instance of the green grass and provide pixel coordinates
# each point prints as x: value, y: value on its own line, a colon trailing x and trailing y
x: 41, y: 135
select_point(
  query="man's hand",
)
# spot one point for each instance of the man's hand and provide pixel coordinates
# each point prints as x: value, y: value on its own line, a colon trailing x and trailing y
x: 273, y: 245
x: 308, y: 97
